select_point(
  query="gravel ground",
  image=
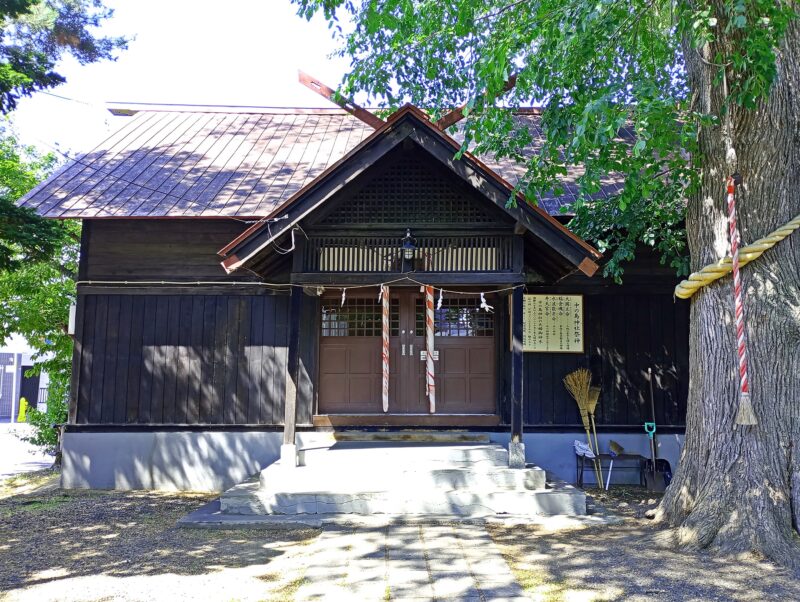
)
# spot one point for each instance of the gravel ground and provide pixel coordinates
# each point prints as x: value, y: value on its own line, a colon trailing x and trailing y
x: 92, y: 546
x: 71, y: 546
x: 623, y: 562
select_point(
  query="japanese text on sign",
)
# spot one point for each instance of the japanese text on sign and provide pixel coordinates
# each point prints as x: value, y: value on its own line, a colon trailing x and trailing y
x: 552, y: 323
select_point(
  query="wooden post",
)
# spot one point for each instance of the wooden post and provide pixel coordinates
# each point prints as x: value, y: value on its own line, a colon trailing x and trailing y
x: 289, y: 449
x: 516, y: 448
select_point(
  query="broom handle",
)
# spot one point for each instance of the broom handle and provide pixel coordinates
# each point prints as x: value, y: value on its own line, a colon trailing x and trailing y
x: 599, y: 466
x: 589, y: 443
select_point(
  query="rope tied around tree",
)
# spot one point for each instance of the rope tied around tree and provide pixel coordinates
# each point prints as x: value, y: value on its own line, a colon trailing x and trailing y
x: 714, y: 271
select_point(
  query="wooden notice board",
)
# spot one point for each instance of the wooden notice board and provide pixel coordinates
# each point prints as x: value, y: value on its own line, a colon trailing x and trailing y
x: 552, y: 323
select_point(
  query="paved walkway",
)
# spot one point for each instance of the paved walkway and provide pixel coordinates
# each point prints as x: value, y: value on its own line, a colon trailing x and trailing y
x: 16, y: 456
x: 407, y: 562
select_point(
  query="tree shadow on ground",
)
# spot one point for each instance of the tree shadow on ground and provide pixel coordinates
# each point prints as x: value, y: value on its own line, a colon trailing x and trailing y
x: 68, y: 534
x: 626, y: 562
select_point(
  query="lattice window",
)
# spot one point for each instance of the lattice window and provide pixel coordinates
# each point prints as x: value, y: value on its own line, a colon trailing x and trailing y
x: 409, y: 192
x: 358, y: 318
x: 458, y: 317
x: 474, y: 253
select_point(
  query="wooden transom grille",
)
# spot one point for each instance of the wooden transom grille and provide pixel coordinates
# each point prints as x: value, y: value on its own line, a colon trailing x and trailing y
x: 433, y: 254
x: 358, y: 318
x: 458, y: 317
x: 410, y: 192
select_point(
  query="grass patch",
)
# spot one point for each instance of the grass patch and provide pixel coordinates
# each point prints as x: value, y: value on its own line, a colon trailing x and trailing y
x: 269, y: 577
x: 289, y: 591
x: 535, y: 578
x: 32, y: 505
x: 542, y: 587
x: 536, y: 582
x: 43, y: 504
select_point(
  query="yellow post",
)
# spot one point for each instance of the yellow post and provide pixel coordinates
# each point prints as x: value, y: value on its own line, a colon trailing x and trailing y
x: 23, y: 410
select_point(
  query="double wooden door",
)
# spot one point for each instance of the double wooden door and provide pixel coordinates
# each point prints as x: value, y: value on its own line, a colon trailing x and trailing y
x: 350, y: 366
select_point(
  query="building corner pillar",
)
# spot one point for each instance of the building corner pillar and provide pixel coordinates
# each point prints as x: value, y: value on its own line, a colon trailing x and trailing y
x: 516, y: 448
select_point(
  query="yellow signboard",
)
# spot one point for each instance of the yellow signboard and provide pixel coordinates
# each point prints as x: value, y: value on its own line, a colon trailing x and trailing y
x: 552, y: 323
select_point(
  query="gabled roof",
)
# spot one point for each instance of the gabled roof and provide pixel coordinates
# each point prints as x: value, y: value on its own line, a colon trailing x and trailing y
x: 192, y: 161
x: 562, y: 248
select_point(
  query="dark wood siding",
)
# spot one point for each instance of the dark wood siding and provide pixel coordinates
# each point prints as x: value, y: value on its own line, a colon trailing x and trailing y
x: 217, y: 355
x: 187, y: 359
x: 143, y: 249
x: 624, y: 334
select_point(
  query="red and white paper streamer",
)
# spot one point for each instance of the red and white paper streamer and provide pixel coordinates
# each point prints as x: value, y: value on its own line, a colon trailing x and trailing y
x: 384, y: 296
x: 429, y: 370
x: 741, y: 345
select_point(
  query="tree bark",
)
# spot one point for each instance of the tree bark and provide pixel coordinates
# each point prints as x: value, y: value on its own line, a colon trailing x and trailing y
x: 737, y: 488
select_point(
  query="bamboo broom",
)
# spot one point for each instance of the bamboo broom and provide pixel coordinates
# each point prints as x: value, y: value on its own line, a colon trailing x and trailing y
x: 578, y: 384
x: 594, y: 396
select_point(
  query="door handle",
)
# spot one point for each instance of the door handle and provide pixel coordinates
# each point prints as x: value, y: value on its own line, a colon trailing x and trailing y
x: 403, y: 349
x: 411, y: 349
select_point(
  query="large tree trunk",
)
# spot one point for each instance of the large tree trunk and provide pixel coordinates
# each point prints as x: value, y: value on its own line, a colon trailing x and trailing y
x: 737, y: 488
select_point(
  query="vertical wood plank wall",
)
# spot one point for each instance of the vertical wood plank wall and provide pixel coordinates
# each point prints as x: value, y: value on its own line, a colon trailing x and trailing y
x: 198, y: 358
x: 183, y: 359
x: 624, y: 335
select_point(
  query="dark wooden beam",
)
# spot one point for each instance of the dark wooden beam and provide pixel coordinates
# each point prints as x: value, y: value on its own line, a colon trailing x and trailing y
x: 516, y: 365
x: 518, y: 251
x: 77, y: 356
x: 457, y: 115
x: 228, y: 290
x: 293, y: 367
x: 328, y: 93
x: 430, y: 421
x: 434, y: 278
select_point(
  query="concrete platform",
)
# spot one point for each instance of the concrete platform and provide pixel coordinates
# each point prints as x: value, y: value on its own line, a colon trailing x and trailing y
x: 210, y: 516
x: 402, y: 478
x: 412, y: 436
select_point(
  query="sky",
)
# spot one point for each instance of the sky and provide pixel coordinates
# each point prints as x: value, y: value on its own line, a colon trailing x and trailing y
x: 184, y: 52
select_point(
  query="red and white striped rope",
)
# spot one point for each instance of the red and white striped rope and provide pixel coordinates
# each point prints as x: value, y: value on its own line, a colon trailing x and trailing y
x: 385, y: 354
x: 429, y: 369
x: 737, y: 290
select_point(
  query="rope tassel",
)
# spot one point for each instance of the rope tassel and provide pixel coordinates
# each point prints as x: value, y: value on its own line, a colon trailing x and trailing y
x: 745, y: 414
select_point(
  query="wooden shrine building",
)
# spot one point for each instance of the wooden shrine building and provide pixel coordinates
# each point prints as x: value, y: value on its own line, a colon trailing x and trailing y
x: 228, y: 297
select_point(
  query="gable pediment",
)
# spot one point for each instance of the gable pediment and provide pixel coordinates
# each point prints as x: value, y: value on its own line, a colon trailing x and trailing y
x: 560, y: 251
x: 409, y: 189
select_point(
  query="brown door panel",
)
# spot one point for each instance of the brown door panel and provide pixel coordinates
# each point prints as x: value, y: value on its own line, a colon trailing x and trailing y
x: 351, y: 369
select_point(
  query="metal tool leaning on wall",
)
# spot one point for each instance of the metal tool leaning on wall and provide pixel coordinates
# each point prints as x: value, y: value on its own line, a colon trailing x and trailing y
x: 658, y: 472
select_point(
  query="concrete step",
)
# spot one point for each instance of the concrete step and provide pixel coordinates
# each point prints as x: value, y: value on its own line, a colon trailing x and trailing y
x: 391, y: 455
x: 402, y: 478
x: 530, y: 479
x: 249, y: 499
x: 411, y: 477
x: 412, y: 436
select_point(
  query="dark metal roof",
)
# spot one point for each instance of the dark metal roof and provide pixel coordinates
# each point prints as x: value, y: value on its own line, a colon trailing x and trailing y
x: 223, y: 162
